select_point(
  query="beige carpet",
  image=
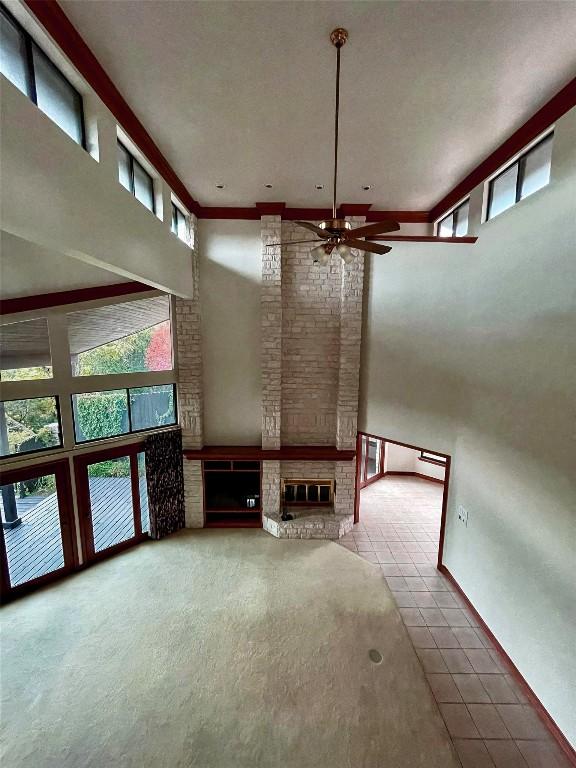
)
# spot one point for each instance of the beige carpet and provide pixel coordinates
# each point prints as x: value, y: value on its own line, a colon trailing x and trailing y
x: 217, y: 649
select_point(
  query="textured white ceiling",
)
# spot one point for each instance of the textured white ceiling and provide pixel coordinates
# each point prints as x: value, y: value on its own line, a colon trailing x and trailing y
x: 242, y: 92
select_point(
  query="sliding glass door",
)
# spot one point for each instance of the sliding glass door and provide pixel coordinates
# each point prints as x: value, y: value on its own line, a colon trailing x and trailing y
x: 38, y: 538
x: 370, y: 459
x: 112, y: 496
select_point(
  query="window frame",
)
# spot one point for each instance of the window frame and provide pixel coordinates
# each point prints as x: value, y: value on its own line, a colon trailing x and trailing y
x: 132, y: 161
x: 520, y: 161
x: 29, y: 45
x: 440, y: 461
x: 454, y: 213
x: 176, y: 210
x: 33, y: 451
x: 79, y: 443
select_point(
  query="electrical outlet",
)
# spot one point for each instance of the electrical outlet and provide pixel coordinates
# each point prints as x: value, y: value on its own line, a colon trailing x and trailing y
x: 463, y: 515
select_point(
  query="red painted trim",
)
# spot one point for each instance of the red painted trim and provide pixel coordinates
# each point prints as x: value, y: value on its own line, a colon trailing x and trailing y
x: 413, y: 474
x: 358, y: 476
x: 255, y: 453
x: 308, y: 214
x: 558, y: 105
x: 402, y: 217
x: 59, y: 298
x: 228, y: 212
x: 271, y: 209
x: 546, y: 718
x: 61, y: 29
x: 424, y: 239
x: 444, y: 510
x: 63, y: 32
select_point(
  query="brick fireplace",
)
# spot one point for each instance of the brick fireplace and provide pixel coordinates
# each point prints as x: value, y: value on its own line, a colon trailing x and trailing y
x: 311, y: 325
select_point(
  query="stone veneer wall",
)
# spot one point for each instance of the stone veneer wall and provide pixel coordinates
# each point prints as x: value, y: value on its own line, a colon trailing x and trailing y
x: 311, y: 335
x: 351, y: 292
x: 310, y: 343
x: 190, y: 397
x: 271, y: 332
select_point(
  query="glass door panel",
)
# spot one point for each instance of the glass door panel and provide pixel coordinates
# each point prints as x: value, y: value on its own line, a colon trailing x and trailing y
x: 111, y: 502
x: 143, y: 488
x: 364, y: 449
x: 35, y: 510
x: 373, y: 460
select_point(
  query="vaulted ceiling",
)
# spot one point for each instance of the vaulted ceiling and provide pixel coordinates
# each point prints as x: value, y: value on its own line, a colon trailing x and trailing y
x: 241, y: 93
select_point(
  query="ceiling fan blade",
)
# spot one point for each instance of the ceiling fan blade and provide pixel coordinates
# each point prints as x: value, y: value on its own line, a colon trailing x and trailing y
x: 378, y: 228
x: 291, y: 242
x: 366, y: 245
x: 314, y: 228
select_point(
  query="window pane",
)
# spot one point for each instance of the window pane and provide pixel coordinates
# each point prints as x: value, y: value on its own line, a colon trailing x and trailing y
x: 174, y: 226
x: 29, y: 425
x: 144, y: 516
x: 32, y: 534
x: 25, y: 351
x: 130, y: 337
x: 143, y: 186
x: 56, y: 97
x: 111, y: 503
x: 537, y: 168
x: 446, y: 225
x: 124, y: 159
x: 363, y: 449
x: 503, y: 191
x: 181, y: 228
x: 433, y: 457
x: 152, y: 406
x: 373, y: 457
x: 462, y: 220
x: 13, y: 55
x: 100, y: 414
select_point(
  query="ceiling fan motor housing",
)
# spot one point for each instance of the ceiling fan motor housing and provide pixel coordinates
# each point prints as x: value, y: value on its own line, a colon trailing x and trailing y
x: 335, y: 227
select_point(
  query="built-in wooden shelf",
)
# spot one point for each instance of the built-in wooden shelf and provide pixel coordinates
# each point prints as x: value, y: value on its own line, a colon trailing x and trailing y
x: 255, y: 453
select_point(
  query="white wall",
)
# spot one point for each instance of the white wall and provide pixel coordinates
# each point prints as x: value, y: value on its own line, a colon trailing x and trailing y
x: 472, y: 350
x: 58, y: 196
x: 230, y: 281
x: 24, y: 272
x: 399, y: 458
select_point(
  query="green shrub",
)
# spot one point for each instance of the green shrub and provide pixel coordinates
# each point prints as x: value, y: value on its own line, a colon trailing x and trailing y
x: 100, y: 414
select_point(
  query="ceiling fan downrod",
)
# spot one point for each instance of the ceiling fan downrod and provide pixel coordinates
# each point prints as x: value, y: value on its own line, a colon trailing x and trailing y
x: 338, y: 38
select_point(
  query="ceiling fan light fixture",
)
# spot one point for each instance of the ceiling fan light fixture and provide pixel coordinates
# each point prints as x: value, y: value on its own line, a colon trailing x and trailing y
x: 320, y: 255
x: 345, y: 252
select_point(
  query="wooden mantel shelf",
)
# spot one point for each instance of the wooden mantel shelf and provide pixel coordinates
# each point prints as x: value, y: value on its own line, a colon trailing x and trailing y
x: 255, y: 453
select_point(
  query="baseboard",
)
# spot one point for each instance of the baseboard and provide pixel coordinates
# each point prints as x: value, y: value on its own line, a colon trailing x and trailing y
x: 548, y: 721
x: 415, y: 474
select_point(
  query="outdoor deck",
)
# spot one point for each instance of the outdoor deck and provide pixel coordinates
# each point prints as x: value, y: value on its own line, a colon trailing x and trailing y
x: 34, y: 548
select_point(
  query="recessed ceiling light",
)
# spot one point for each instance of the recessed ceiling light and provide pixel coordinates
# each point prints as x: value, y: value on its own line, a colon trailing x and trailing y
x: 220, y: 186
x: 319, y: 186
x: 268, y: 186
x: 366, y: 187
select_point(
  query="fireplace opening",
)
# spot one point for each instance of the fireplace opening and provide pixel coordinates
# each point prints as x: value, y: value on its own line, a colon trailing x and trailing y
x: 310, y: 493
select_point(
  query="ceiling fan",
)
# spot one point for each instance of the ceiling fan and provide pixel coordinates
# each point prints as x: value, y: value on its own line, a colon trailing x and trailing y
x: 337, y: 234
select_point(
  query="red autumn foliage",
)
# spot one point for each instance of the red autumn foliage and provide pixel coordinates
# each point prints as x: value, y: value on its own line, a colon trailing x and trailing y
x: 159, y: 352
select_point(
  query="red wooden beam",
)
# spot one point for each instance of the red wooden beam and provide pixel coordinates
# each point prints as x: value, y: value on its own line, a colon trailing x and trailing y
x: 58, y: 298
x: 558, y: 105
x: 63, y: 32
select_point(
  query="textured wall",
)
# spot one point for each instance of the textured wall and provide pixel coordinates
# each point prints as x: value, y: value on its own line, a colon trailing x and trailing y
x: 271, y: 332
x: 189, y: 353
x: 310, y: 344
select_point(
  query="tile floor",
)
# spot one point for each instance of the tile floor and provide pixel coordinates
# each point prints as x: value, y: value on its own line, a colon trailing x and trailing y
x: 490, y: 721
